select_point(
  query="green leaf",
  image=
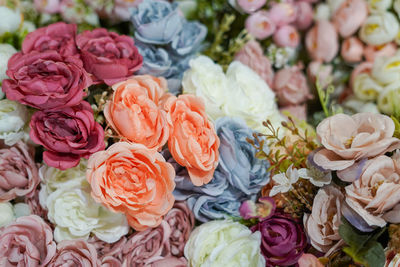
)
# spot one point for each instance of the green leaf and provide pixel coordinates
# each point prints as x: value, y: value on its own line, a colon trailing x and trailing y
x: 397, y: 127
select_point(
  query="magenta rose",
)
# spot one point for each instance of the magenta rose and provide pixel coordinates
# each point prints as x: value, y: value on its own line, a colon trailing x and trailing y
x: 108, y: 56
x: 45, y: 80
x: 18, y: 172
x: 59, y: 37
x: 75, y: 253
x: 68, y: 134
x: 282, y: 240
x: 27, y: 242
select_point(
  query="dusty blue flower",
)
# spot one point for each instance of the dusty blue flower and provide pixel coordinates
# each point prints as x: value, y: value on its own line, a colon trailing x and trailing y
x: 189, y: 38
x: 156, y: 22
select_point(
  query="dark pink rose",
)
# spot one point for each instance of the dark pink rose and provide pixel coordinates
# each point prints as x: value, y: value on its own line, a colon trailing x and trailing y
x: 75, y: 253
x: 27, y: 242
x: 59, y: 37
x: 108, y: 56
x: 45, y: 80
x: 18, y: 172
x: 34, y: 204
x: 68, y: 134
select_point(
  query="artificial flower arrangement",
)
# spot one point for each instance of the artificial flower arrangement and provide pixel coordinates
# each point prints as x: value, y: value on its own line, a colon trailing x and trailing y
x: 199, y: 133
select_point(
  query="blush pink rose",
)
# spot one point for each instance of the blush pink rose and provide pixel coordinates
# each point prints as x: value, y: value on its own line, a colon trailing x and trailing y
x: 193, y: 142
x: 135, y: 112
x: 349, y: 17
x: 45, y: 80
x: 316, y: 71
x: 75, y: 253
x: 170, y: 262
x: 375, y: 196
x: 108, y: 56
x: 352, y: 50
x: 290, y: 85
x: 18, y: 172
x: 250, y: 6
x: 364, y: 67
x: 68, y: 134
x: 365, y: 136
x: 47, y: 6
x: 58, y: 37
x: 287, y: 36
x: 304, y: 15
x: 260, y: 25
x: 110, y: 254
x: 309, y: 260
x: 297, y: 111
x: 253, y: 56
x: 322, y: 41
x: 282, y: 13
x: 27, y: 242
x: 372, y: 52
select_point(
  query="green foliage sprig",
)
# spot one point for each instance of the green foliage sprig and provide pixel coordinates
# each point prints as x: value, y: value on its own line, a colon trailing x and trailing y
x: 327, y: 104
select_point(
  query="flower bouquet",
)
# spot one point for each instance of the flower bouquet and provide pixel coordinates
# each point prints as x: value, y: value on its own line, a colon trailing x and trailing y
x: 199, y: 133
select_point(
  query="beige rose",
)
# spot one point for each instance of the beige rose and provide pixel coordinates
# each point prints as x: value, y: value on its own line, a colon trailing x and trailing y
x: 349, y: 139
x: 376, y: 195
x: 322, y: 225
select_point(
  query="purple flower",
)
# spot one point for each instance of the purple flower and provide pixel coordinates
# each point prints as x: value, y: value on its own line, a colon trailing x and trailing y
x: 282, y: 240
x: 262, y: 210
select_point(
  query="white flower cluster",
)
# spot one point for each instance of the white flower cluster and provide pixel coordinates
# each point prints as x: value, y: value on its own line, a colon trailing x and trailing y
x: 11, y: 212
x: 13, y: 122
x: 66, y: 196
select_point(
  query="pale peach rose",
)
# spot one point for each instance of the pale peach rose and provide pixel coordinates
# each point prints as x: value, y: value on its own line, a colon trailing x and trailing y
x: 193, y: 142
x: 135, y: 180
x: 350, y: 16
x: 347, y: 140
x: 297, y: 111
x: 322, y: 225
x: 371, y: 52
x: 322, y: 41
x: 316, y: 71
x: 309, y: 260
x: 375, y: 196
x: 252, y: 56
x: 134, y: 111
x: 352, y: 50
x: 365, y: 67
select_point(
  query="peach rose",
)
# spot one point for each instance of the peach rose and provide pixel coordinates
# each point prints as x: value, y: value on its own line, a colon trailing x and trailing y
x: 364, y: 136
x: 376, y: 195
x: 132, y: 179
x: 309, y: 260
x: 322, y: 41
x: 350, y: 16
x: 193, y: 142
x: 352, y: 50
x: 371, y: 52
x: 135, y: 113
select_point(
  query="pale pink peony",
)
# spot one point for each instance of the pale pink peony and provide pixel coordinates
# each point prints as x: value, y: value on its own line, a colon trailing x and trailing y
x: 75, y: 253
x: 304, y: 15
x: 287, y: 36
x: 322, y: 41
x: 282, y: 13
x: 352, y: 50
x: 349, y: 17
x: 260, y: 25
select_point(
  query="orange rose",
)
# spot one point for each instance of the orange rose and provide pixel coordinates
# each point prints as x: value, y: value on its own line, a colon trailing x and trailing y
x: 134, y: 111
x: 134, y: 180
x: 193, y: 141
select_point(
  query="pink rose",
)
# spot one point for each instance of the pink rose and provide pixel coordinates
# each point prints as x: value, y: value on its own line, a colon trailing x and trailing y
x: 365, y: 136
x: 290, y: 85
x: 350, y: 16
x: 375, y: 196
x: 322, y: 41
x: 47, y: 6
x: 18, y: 172
x: 352, y: 50
x: 170, y: 262
x: 250, y: 6
x: 260, y: 25
x: 287, y: 36
x: 59, y: 37
x: 316, y: 71
x: 75, y: 253
x: 296, y: 111
x: 34, y: 204
x: 304, y: 15
x: 372, y: 52
x: 108, y: 56
x: 252, y: 55
x: 27, y: 242
x: 45, y: 80
x: 282, y: 14
x: 309, y: 260
x: 68, y: 134
x: 365, y: 67
x: 110, y: 255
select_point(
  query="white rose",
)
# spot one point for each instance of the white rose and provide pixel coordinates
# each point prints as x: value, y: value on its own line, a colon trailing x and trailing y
x: 379, y: 5
x: 380, y: 28
x: 13, y: 117
x: 389, y: 98
x: 6, y: 51
x: 10, y: 20
x: 7, y: 213
x: 322, y: 12
x: 224, y: 243
x: 396, y: 7
x: 207, y: 80
x: 250, y: 98
x: 387, y: 69
x: 358, y: 106
x: 334, y: 4
x: 366, y: 88
x: 21, y: 209
x: 28, y: 26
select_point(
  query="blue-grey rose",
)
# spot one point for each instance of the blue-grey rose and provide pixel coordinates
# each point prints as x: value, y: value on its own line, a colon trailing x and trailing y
x: 189, y: 39
x: 156, y: 22
x: 156, y: 61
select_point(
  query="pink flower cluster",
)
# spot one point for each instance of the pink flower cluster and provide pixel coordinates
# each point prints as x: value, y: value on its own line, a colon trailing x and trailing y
x: 51, y: 74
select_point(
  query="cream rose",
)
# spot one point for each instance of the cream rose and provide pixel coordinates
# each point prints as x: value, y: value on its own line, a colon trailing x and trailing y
x: 380, y: 28
x: 366, y: 88
x: 388, y: 98
x: 396, y: 7
x: 10, y: 20
x: 7, y: 213
x: 387, y: 69
x: 6, y: 51
x: 13, y: 119
x: 376, y: 6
